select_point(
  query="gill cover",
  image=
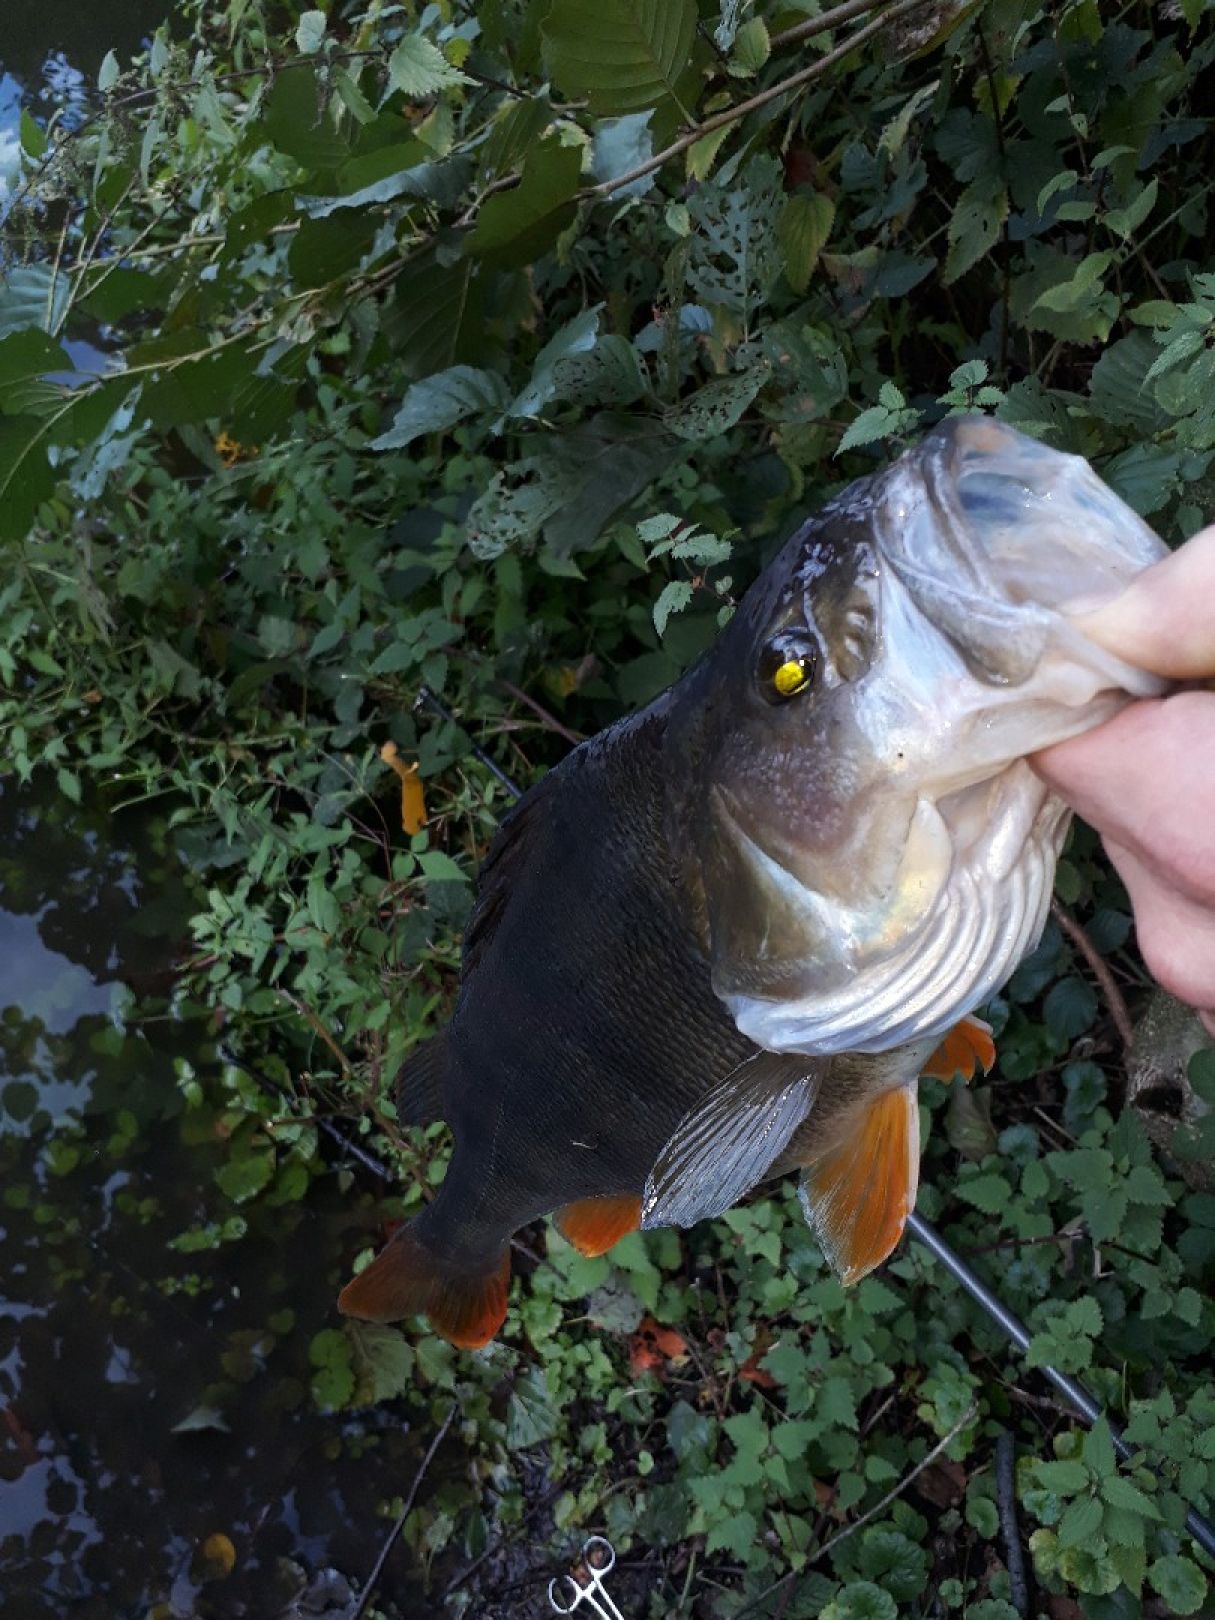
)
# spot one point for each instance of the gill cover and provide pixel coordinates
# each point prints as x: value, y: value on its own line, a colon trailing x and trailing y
x: 874, y: 855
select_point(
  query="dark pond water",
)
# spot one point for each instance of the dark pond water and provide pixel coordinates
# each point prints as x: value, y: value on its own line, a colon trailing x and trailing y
x: 152, y: 1400
x: 160, y: 1454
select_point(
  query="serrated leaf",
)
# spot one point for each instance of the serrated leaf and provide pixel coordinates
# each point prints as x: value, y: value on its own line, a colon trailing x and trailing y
x: 673, y: 598
x: 383, y: 1360
x: 531, y: 1417
x: 805, y: 224
x: 734, y: 251
x: 1120, y: 1493
x: 418, y: 68
x: 439, y: 402
x: 624, y: 55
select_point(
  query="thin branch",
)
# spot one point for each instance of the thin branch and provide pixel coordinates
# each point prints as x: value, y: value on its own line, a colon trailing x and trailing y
x: 872, y: 1513
x: 732, y: 114
x: 1006, y: 1501
x: 821, y: 23
x: 1100, y: 970
x: 360, y: 1607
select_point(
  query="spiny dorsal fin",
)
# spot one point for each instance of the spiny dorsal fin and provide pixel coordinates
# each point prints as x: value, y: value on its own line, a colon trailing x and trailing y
x: 724, y: 1146
x: 857, y: 1195
x: 419, y: 1088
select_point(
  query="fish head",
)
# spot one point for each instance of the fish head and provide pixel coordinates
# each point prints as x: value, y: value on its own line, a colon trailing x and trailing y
x: 873, y: 854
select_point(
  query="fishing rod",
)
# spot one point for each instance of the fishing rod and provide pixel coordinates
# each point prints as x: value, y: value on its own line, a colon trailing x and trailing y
x: 1073, y: 1392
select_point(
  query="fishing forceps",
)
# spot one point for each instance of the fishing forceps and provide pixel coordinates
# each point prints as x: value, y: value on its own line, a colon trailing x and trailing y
x: 594, y: 1594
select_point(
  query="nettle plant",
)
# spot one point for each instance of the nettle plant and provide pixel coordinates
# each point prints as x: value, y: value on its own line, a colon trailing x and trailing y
x: 345, y: 350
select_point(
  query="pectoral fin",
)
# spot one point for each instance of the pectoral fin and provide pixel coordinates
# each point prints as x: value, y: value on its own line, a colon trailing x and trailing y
x: 967, y: 1047
x: 857, y: 1196
x: 725, y: 1145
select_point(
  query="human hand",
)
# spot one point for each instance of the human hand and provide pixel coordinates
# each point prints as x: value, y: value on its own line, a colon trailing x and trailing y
x: 1146, y: 779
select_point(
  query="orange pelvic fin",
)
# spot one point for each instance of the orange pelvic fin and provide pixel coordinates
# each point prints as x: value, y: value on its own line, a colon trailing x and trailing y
x: 592, y: 1225
x: 407, y: 1279
x: 967, y: 1047
x: 858, y: 1195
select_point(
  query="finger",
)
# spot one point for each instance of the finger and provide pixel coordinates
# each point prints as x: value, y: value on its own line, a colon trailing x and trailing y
x: 1176, y: 937
x: 1163, y: 621
x: 1146, y: 778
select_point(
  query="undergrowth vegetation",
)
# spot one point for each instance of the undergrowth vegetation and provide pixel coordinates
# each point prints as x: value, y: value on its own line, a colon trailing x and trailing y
x: 491, y: 348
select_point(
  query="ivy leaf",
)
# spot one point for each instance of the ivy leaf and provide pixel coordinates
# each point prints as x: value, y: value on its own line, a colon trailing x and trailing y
x: 1180, y: 1583
x: 418, y: 68
x: 531, y: 1417
x: 624, y: 55
x: 439, y: 402
x: 515, y: 227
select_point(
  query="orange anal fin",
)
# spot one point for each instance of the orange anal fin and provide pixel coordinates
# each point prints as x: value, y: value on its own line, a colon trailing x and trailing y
x: 967, y: 1047
x: 593, y: 1224
x: 858, y: 1195
x: 407, y: 1279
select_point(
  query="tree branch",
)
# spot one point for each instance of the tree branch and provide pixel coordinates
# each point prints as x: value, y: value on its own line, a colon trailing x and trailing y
x: 731, y: 115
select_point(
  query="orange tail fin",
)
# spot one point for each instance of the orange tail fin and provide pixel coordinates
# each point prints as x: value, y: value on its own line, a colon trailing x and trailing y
x: 858, y: 1195
x: 967, y: 1047
x: 408, y: 1279
x: 593, y: 1224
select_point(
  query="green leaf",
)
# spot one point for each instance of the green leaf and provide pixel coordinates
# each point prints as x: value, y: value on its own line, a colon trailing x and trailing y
x: 108, y: 73
x: 622, y: 144
x: 1064, y: 1477
x: 531, y: 1417
x: 1098, y: 1450
x: 435, y: 320
x: 575, y: 337
x: 246, y: 1173
x: 383, y: 1361
x: 31, y: 295
x: 418, y: 68
x: 25, y: 359
x: 974, y: 227
x: 1120, y: 1493
x: 309, y: 32
x: 717, y: 407
x: 26, y: 478
x: 333, y: 1381
x: 439, y: 402
x: 805, y: 225
x: 517, y: 226
x: 673, y: 598
x: 1082, y: 286
x: 1180, y: 1583
x: 624, y: 55
x: 734, y: 255
x: 1124, y: 222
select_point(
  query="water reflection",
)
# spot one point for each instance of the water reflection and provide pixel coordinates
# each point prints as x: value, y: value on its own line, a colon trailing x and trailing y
x: 159, y: 1449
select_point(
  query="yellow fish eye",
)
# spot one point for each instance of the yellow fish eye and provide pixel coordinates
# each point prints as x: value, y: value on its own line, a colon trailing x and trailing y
x: 787, y: 664
x: 791, y: 676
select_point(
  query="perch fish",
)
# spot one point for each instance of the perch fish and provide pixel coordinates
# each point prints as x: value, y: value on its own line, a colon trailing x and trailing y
x: 722, y: 940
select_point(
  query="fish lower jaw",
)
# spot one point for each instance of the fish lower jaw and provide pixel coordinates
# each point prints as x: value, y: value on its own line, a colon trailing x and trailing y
x: 977, y: 932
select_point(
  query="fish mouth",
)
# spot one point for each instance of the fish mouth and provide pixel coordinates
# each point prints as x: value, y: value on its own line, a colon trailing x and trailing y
x: 993, y: 534
x: 987, y: 911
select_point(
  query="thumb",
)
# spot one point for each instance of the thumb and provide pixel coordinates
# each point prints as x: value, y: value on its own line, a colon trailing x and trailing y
x: 1165, y: 619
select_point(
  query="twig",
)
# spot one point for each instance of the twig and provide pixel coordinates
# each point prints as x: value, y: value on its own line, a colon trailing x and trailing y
x: 821, y: 23
x: 732, y: 114
x: 1100, y: 970
x: 360, y: 1607
x: 878, y: 1507
x: 547, y: 720
x: 313, y: 1021
x: 1006, y: 1501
